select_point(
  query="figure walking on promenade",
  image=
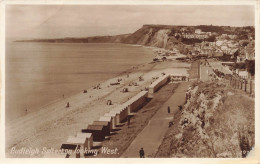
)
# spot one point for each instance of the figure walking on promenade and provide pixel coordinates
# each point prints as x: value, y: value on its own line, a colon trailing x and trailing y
x: 169, y: 109
x: 141, y: 152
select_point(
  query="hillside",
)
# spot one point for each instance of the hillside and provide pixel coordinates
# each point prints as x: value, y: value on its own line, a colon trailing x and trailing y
x: 162, y: 36
x: 216, y: 121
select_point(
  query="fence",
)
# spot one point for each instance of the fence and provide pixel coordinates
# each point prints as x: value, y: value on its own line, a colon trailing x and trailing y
x: 246, y: 85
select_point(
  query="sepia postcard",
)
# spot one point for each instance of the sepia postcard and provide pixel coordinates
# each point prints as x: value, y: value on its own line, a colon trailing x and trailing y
x: 118, y: 81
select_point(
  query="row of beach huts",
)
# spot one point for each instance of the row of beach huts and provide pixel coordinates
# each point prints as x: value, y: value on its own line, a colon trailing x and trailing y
x: 82, y: 144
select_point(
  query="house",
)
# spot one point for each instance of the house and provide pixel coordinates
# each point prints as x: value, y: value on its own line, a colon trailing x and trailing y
x: 209, y: 33
x: 198, y: 31
x: 217, y: 53
x: 242, y: 73
x: 184, y: 29
x: 240, y: 59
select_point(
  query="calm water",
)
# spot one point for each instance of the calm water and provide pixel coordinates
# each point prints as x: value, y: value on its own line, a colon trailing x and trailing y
x: 38, y: 73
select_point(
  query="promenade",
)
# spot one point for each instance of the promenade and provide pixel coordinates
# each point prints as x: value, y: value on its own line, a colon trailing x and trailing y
x: 152, y: 135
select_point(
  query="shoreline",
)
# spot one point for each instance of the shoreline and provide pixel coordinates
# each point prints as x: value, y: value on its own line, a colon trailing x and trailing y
x: 77, y: 90
x: 54, y: 123
x: 73, y: 94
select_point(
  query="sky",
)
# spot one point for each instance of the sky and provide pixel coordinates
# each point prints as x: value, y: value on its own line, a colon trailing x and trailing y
x: 58, y: 21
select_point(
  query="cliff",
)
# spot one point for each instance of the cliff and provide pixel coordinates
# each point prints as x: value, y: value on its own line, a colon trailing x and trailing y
x: 216, y: 122
x: 149, y: 35
x: 154, y: 35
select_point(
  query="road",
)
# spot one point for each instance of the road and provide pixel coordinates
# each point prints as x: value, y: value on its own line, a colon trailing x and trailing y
x: 152, y: 135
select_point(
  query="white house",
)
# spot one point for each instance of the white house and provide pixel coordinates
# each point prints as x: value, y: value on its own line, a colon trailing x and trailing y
x: 198, y: 31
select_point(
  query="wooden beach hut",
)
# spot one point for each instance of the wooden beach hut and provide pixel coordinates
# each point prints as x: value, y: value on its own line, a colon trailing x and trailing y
x: 136, y: 102
x: 155, y: 86
x: 120, y: 111
x: 117, y: 118
x: 98, y: 132
x: 108, y: 119
x: 113, y: 117
x: 82, y: 142
x: 106, y: 125
x: 72, y: 149
x: 89, y: 138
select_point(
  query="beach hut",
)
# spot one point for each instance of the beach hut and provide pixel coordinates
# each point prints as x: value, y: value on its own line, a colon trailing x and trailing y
x: 120, y: 111
x: 89, y: 138
x: 108, y: 119
x: 155, y: 86
x: 136, y: 102
x: 98, y: 132
x: 82, y: 142
x: 106, y: 125
x: 113, y: 117
x: 117, y: 118
x: 72, y: 149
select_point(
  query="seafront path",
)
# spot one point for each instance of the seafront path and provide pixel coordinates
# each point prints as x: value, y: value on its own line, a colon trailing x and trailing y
x: 152, y: 135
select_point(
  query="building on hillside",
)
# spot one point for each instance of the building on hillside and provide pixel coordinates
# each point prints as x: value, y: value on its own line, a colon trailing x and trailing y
x: 209, y: 51
x: 198, y: 31
x: 218, y: 53
x: 240, y: 59
x: 209, y: 33
x: 242, y: 73
x: 184, y: 29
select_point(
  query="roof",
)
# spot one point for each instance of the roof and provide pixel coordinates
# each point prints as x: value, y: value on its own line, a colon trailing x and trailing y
x: 136, y: 97
x: 105, y: 123
x: 110, y: 114
x: 95, y: 127
x: 76, y: 140
x: 84, y: 135
x: 115, y: 112
x: 119, y: 108
x: 105, y: 118
x: 158, y: 81
x: 69, y: 146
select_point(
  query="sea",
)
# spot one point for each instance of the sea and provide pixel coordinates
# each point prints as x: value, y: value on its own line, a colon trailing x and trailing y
x: 38, y: 74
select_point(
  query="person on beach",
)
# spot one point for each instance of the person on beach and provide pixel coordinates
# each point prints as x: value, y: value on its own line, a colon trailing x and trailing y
x: 169, y: 109
x: 63, y: 95
x: 68, y: 105
x: 141, y: 153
